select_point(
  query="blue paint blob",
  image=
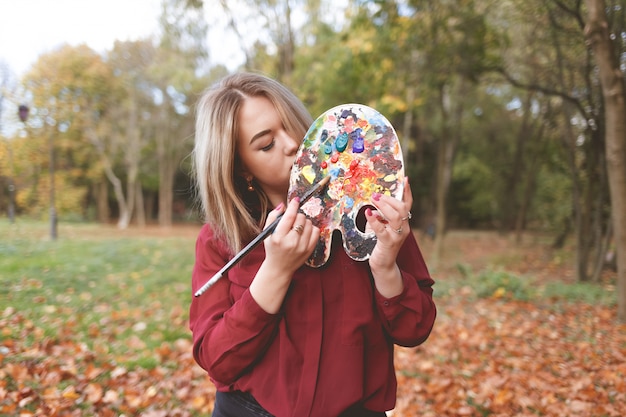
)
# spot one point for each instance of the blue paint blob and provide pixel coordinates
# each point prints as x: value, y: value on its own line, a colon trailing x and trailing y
x: 356, y: 133
x: 358, y: 145
x: 342, y: 142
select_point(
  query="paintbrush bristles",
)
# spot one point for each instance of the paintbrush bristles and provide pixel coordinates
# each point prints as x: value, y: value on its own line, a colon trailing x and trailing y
x: 321, y: 184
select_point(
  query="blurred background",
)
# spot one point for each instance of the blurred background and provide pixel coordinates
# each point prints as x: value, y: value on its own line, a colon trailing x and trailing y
x: 498, y: 104
x: 509, y: 116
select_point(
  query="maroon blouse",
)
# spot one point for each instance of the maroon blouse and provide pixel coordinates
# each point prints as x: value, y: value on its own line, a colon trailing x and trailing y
x: 331, y: 345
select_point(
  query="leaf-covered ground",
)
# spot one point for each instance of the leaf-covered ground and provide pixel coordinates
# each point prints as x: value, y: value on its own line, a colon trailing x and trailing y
x: 561, y: 354
x: 107, y: 338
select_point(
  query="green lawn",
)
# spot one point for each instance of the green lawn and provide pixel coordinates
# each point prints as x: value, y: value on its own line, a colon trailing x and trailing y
x: 96, y: 308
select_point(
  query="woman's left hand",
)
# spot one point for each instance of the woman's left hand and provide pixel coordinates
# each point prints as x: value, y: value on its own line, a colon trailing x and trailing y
x: 390, y: 222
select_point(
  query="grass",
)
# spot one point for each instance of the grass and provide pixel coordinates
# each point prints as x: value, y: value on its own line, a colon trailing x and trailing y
x: 96, y: 322
x: 103, y: 309
x: 497, y: 282
x: 105, y: 287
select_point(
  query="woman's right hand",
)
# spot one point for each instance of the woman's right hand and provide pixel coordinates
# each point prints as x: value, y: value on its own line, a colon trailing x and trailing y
x: 294, y: 238
x: 286, y: 250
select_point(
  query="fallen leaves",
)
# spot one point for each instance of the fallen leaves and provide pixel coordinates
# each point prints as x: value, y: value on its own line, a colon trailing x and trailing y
x: 490, y: 357
x: 110, y: 353
x: 61, y: 376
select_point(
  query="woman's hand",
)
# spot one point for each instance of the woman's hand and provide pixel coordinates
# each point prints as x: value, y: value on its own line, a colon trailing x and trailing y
x: 286, y: 250
x: 390, y: 223
x: 294, y: 239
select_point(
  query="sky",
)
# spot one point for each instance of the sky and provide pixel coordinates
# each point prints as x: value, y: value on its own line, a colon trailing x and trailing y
x: 29, y: 28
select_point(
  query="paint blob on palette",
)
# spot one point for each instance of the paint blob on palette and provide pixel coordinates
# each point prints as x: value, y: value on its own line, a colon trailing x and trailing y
x: 359, y: 149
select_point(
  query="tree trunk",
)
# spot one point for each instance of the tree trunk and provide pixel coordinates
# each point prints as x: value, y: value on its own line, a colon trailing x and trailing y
x: 102, y: 201
x: 166, y: 193
x: 118, y: 190
x: 132, y: 154
x: 166, y: 155
x: 511, y: 201
x: 579, y: 190
x: 124, y: 219
x: 441, y: 188
x: 140, y: 207
x: 529, y: 187
x: 614, y: 94
x: 450, y: 137
x: 411, y: 92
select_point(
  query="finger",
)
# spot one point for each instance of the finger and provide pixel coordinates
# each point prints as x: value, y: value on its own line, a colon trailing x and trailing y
x: 300, y: 225
x: 313, y: 237
x: 273, y: 215
x: 407, y: 197
x: 289, y: 217
x: 376, y: 224
x: 390, y: 208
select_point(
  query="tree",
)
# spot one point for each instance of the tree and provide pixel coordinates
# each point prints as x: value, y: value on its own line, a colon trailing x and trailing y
x: 181, y: 56
x: 71, y: 89
x: 131, y: 120
x: 614, y: 95
x: 546, y: 58
x: 7, y: 172
x: 275, y: 19
x: 456, y: 54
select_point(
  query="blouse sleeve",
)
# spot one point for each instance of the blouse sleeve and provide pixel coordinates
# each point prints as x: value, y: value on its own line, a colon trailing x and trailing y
x: 229, y: 335
x: 409, y: 317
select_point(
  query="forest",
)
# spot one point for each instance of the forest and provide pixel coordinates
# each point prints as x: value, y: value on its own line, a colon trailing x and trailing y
x: 511, y: 113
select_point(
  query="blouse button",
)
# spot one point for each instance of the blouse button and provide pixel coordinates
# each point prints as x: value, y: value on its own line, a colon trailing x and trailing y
x: 386, y: 303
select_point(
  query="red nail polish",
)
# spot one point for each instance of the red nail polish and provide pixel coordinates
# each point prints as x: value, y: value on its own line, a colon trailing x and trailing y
x: 279, y: 207
x: 368, y: 211
x: 376, y: 196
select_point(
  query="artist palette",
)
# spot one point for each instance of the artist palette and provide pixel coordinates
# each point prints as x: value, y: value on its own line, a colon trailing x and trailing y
x: 359, y: 149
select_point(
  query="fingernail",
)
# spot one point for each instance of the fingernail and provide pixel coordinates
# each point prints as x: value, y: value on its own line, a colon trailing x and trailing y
x: 368, y: 211
x: 279, y: 207
x: 376, y: 196
x: 297, y: 199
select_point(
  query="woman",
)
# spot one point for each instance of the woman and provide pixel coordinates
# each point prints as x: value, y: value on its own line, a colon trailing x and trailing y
x: 276, y: 336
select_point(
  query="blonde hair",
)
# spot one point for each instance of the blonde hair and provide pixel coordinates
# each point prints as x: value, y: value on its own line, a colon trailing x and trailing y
x: 226, y: 203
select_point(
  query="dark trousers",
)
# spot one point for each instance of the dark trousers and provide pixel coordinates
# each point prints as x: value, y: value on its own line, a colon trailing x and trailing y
x: 240, y: 404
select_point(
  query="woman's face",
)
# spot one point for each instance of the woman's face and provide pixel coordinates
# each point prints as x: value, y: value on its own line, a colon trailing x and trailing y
x: 266, y: 150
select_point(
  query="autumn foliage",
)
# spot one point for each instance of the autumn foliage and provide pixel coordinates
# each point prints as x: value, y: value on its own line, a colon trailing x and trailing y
x: 493, y: 355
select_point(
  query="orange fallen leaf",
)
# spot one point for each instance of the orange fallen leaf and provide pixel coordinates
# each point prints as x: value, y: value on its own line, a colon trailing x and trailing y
x: 70, y: 393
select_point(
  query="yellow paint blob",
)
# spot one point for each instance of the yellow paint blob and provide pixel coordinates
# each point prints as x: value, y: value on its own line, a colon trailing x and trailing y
x: 308, y: 173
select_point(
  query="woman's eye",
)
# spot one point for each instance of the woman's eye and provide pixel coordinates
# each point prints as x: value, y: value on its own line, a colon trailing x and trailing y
x: 268, y: 147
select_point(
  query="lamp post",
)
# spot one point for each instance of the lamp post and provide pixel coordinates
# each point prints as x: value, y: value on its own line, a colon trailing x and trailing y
x: 11, y: 186
x: 22, y: 112
x: 53, y: 212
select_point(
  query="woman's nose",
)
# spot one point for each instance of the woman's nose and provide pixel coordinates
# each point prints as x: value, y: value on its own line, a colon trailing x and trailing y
x: 291, y: 145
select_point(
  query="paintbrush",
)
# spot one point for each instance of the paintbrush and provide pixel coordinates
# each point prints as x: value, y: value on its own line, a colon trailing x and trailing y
x: 260, y: 238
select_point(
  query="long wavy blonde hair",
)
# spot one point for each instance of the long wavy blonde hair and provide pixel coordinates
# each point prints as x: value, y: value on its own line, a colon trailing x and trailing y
x: 236, y: 214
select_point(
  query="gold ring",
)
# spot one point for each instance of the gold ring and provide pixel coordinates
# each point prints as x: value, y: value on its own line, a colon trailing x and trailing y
x: 408, y: 217
x: 398, y: 231
x: 298, y: 228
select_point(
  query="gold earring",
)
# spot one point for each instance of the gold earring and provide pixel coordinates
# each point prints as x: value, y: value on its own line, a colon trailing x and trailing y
x: 250, y: 186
